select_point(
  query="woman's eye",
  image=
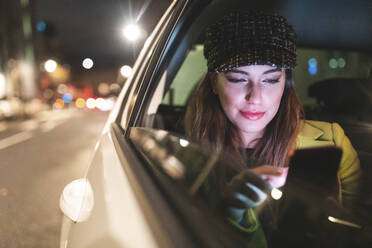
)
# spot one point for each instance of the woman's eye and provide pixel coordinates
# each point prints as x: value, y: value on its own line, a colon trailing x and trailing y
x: 271, y: 81
x: 236, y: 80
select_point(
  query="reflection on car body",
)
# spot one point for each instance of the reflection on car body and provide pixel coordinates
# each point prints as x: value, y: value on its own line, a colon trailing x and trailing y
x: 150, y: 183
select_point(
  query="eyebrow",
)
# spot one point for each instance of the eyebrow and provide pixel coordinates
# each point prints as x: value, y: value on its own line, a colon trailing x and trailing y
x: 265, y: 72
x: 272, y: 70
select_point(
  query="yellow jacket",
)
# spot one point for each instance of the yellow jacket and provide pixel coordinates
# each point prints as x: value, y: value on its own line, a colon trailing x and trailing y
x: 317, y: 133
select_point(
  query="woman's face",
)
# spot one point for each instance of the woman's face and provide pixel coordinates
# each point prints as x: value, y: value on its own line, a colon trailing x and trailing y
x: 250, y: 97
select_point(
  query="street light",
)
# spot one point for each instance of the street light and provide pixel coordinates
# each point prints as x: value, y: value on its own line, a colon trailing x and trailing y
x: 126, y: 71
x: 132, y: 32
x: 88, y: 63
x: 50, y: 65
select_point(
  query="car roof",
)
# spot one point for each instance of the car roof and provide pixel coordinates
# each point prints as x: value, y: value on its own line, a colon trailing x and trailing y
x: 336, y: 24
x: 342, y: 24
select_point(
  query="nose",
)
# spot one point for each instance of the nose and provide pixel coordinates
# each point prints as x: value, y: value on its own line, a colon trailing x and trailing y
x: 253, y: 94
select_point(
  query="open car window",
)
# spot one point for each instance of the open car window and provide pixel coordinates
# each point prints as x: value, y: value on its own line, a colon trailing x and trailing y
x: 334, y: 85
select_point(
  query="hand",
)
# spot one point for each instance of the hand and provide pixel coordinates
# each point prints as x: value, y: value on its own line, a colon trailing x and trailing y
x: 246, y: 190
x: 276, y: 176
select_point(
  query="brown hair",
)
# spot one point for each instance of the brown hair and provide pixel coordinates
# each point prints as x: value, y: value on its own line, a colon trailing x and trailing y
x: 206, y: 122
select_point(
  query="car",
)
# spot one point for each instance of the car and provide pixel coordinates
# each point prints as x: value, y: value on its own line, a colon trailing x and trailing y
x: 142, y: 187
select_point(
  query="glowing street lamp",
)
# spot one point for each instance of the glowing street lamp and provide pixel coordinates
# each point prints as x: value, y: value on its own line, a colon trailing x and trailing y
x: 132, y: 32
x: 126, y: 71
x: 50, y: 65
x: 88, y: 63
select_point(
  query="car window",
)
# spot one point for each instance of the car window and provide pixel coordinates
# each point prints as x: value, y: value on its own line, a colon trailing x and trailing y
x: 192, y: 70
x: 334, y: 84
x: 140, y: 66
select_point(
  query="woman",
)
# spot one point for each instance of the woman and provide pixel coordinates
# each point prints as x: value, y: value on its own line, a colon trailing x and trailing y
x: 247, y: 106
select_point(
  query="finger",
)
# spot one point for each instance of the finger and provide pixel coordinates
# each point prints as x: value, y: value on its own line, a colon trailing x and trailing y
x: 268, y: 170
x: 252, y: 195
x: 235, y: 202
x: 256, y: 180
x: 247, y: 191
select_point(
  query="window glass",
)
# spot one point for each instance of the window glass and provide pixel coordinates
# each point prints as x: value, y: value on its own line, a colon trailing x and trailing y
x: 334, y: 85
x: 192, y: 70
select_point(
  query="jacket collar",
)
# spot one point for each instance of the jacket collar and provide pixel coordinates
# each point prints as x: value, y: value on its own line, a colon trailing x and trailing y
x: 309, y: 131
x: 309, y: 135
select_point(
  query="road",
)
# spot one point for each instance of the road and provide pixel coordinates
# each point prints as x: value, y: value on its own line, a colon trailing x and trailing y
x: 38, y: 157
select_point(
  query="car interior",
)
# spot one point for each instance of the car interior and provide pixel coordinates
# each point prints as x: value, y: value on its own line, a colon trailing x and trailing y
x: 333, y: 77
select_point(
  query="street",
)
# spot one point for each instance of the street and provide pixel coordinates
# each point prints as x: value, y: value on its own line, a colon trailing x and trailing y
x: 38, y: 157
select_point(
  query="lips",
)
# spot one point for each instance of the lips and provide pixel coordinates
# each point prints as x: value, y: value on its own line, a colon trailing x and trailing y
x: 253, y: 116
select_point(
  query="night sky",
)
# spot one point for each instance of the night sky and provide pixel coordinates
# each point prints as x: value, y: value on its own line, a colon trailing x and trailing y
x: 92, y: 28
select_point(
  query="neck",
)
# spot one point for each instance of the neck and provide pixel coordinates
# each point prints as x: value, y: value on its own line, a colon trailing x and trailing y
x: 250, y: 139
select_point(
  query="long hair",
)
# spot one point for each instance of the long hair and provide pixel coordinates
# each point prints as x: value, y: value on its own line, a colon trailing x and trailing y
x: 206, y: 122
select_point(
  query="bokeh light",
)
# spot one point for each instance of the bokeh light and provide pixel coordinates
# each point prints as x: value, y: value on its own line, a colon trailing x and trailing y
x: 276, y: 194
x: 109, y: 104
x: 100, y: 102
x: 115, y: 88
x: 41, y: 26
x: 48, y: 93
x: 313, y: 70
x: 67, y: 97
x: 132, y: 32
x: 313, y: 66
x: 313, y: 62
x: 126, y: 71
x: 80, y: 103
x: 50, y: 65
x: 59, y: 104
x: 104, y: 104
x: 103, y: 89
x: 62, y: 89
x: 88, y: 63
x: 341, y: 62
x: 91, y: 103
x: 333, y: 63
x: 184, y: 143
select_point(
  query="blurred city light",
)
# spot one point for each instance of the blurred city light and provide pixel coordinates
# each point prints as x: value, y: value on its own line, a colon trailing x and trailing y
x: 62, y: 89
x: 80, y: 103
x: 2, y: 85
x: 88, y: 63
x: 276, y: 194
x: 91, y: 103
x: 115, y: 88
x: 184, y: 143
x: 104, y: 104
x: 313, y: 62
x: 126, y: 71
x: 100, y: 102
x: 313, y: 66
x: 109, y: 104
x: 341, y: 62
x: 333, y: 63
x: 103, y: 89
x: 59, y: 104
x: 67, y: 97
x: 48, y: 93
x: 41, y: 26
x: 50, y: 65
x: 132, y: 32
x: 313, y: 70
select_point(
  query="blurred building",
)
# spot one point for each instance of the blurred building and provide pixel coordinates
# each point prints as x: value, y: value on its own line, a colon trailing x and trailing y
x: 18, y: 67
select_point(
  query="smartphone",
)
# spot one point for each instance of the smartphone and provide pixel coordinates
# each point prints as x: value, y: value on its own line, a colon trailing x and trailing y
x: 316, y: 167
